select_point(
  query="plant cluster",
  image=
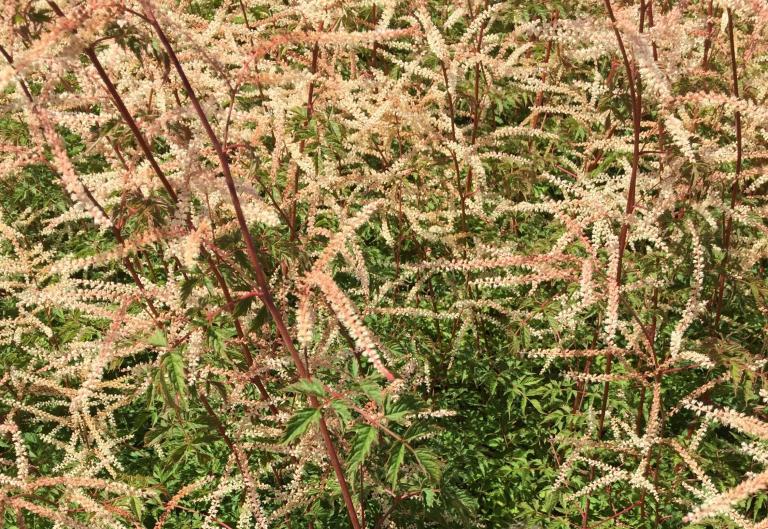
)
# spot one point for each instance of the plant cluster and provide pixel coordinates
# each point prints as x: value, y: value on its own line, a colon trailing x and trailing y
x: 383, y: 264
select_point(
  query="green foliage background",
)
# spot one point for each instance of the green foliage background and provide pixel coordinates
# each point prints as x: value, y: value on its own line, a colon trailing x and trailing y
x: 493, y: 463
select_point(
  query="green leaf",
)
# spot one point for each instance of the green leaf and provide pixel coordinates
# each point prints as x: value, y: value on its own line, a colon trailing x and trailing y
x: 364, y: 437
x: 307, y: 387
x: 299, y: 423
x: 187, y: 287
x: 136, y: 507
x: 430, y: 462
x: 342, y: 411
x: 241, y: 307
x: 372, y: 390
x: 158, y: 339
x: 429, y: 497
x: 176, y: 375
x: 550, y: 501
x: 167, y: 393
x: 417, y: 430
x: 396, y: 456
x: 396, y: 411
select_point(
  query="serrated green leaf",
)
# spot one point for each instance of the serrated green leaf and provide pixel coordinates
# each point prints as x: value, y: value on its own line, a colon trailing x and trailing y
x: 136, y: 507
x: 364, y: 437
x: 176, y: 374
x: 417, y: 430
x: 158, y: 339
x: 372, y: 390
x: 430, y: 462
x: 307, y: 387
x: 429, y: 497
x: 397, y: 410
x: 396, y: 456
x: 341, y: 410
x: 242, y: 307
x: 300, y: 423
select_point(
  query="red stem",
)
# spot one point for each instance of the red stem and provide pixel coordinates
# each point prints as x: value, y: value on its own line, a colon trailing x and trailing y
x: 147, y: 150
x: 735, y: 188
x: 253, y: 257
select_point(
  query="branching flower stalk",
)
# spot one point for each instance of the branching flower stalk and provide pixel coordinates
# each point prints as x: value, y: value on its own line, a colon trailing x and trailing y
x: 147, y: 151
x: 274, y: 265
x: 735, y: 187
x: 261, y: 280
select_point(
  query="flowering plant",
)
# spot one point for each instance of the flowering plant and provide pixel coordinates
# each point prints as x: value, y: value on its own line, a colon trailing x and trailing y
x: 265, y: 264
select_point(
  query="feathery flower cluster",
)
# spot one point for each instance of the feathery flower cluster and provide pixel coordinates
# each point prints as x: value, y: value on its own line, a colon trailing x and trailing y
x: 273, y: 183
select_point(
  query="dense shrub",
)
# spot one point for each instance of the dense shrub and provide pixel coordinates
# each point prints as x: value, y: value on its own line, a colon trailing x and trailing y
x: 430, y: 264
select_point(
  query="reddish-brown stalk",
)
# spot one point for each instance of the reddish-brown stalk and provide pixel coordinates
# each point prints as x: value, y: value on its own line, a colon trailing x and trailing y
x: 540, y: 94
x: 128, y: 118
x: 636, y: 106
x: 253, y: 257
x: 147, y: 151
x: 708, y: 40
x: 158, y: 323
x: 124, y: 112
x: 636, y: 103
x: 452, y: 115
x: 129, y: 265
x: 127, y: 262
x: 630, y: 206
x: 646, y: 10
x: 292, y: 209
x: 476, y: 99
x: 735, y: 187
x: 24, y: 87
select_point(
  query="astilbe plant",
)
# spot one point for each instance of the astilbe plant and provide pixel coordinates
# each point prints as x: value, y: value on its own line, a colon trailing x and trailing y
x: 268, y: 233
